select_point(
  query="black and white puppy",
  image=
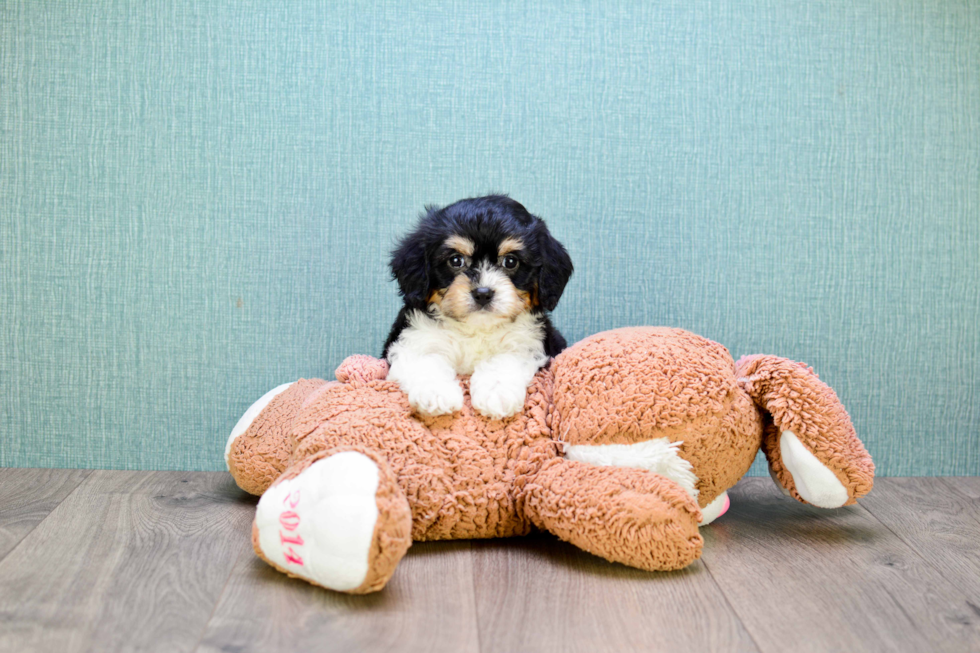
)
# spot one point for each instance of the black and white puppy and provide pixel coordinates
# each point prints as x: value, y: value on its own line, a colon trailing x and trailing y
x: 478, y: 278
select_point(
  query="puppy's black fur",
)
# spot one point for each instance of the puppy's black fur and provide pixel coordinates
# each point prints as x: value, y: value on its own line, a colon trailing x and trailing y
x: 418, y: 263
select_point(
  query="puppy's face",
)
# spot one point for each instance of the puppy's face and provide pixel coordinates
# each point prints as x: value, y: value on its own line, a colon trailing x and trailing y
x: 479, y: 278
x: 481, y: 261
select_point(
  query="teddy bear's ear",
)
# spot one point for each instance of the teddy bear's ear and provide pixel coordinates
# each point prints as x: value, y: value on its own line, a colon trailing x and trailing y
x: 362, y: 368
x: 556, y: 266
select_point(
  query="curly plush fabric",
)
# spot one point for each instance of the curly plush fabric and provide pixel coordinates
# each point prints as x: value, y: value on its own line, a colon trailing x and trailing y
x: 262, y: 453
x: 468, y: 476
x: 625, y: 515
x: 459, y: 471
x: 795, y: 400
x: 636, y: 384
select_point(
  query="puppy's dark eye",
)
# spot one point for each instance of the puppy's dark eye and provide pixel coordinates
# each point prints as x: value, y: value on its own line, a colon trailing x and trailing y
x: 456, y: 261
x: 510, y: 262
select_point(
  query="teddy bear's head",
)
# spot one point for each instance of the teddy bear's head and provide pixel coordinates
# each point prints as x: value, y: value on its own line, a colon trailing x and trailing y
x: 669, y: 400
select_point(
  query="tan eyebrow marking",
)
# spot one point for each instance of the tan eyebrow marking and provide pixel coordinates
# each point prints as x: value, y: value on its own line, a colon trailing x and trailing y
x: 462, y: 245
x: 509, y: 245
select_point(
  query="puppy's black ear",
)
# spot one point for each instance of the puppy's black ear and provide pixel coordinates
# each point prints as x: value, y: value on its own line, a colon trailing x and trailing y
x: 556, y: 267
x: 410, y: 268
x: 410, y: 261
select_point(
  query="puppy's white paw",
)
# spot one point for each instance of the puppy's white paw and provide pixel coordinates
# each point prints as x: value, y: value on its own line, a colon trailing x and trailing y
x: 436, y: 397
x: 496, y: 397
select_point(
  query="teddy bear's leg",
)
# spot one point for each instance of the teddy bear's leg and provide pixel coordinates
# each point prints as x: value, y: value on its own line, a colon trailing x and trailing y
x: 336, y: 519
x: 259, y: 446
x: 621, y: 514
x: 658, y: 456
x: 809, y: 441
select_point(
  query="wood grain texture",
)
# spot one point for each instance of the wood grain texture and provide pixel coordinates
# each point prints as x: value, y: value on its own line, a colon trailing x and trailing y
x: 806, y: 579
x: 940, y: 520
x: 162, y: 561
x: 967, y: 486
x: 129, y: 561
x: 27, y: 496
x: 540, y: 594
x: 427, y: 606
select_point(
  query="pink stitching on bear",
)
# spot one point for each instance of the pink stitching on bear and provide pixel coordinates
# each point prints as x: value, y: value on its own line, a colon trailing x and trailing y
x: 290, y: 519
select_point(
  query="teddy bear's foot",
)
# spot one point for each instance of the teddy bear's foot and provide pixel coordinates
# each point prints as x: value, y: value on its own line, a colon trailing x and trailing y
x: 339, y: 521
x: 815, y: 482
x: 718, y: 507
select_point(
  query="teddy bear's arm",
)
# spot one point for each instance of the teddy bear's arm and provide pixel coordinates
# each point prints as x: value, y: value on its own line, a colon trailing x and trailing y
x: 621, y: 514
x: 809, y: 441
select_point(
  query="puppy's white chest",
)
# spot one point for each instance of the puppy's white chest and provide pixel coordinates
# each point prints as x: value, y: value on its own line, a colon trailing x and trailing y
x: 465, y: 347
x: 468, y: 350
x: 501, y: 361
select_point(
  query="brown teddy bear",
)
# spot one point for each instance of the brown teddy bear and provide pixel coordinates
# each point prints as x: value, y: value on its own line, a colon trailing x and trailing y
x: 627, y: 442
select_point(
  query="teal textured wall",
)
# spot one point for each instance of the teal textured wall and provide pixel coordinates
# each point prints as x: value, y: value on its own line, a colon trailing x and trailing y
x: 197, y: 199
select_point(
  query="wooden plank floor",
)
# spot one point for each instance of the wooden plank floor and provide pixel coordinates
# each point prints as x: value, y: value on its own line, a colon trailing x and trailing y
x: 122, y: 561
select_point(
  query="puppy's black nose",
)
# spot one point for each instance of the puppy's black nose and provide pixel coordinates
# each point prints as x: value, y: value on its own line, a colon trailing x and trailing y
x: 482, y: 296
